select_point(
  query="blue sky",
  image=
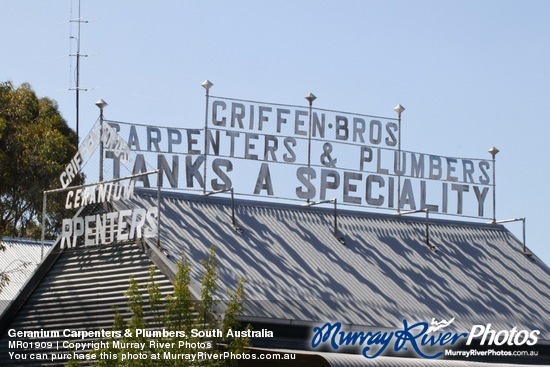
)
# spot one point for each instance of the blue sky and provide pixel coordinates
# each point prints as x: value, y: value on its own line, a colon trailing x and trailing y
x: 471, y: 74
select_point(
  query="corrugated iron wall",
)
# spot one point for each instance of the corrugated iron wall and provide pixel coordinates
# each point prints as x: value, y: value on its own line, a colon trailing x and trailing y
x: 18, y: 261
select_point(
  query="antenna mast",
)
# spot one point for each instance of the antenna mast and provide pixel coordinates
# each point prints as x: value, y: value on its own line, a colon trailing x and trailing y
x: 78, y: 55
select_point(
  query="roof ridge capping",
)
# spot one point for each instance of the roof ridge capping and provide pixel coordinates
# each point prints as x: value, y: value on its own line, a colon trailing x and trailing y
x: 342, y: 210
x: 241, y: 204
x: 24, y: 241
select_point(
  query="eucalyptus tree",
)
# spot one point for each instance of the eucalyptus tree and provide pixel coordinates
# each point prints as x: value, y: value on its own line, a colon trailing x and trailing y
x: 36, y: 144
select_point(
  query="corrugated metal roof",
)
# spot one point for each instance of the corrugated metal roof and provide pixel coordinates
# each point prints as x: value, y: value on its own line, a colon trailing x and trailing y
x: 297, y: 272
x: 18, y: 260
x: 79, y: 292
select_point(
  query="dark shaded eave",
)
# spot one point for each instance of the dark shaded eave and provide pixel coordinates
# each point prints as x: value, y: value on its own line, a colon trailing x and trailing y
x: 321, y: 359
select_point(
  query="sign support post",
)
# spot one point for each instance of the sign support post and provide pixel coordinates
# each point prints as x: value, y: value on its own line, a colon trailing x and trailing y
x: 310, y: 98
x: 207, y: 84
x: 399, y: 109
x: 494, y: 151
x: 44, y: 204
x: 101, y: 104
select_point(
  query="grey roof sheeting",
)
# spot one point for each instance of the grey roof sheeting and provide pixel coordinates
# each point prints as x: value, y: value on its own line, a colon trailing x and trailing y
x: 297, y: 272
x: 19, y: 260
x: 78, y: 292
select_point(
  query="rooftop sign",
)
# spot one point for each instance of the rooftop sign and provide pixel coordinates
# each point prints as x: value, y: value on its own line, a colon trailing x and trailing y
x: 306, y: 154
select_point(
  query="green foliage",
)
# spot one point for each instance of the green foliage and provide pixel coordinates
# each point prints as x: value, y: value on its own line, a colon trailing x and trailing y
x: 155, y: 299
x: 73, y: 363
x: 179, y: 315
x: 209, y: 287
x: 233, y: 309
x: 177, y: 312
x: 4, y: 280
x: 35, y: 145
x: 135, y: 303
